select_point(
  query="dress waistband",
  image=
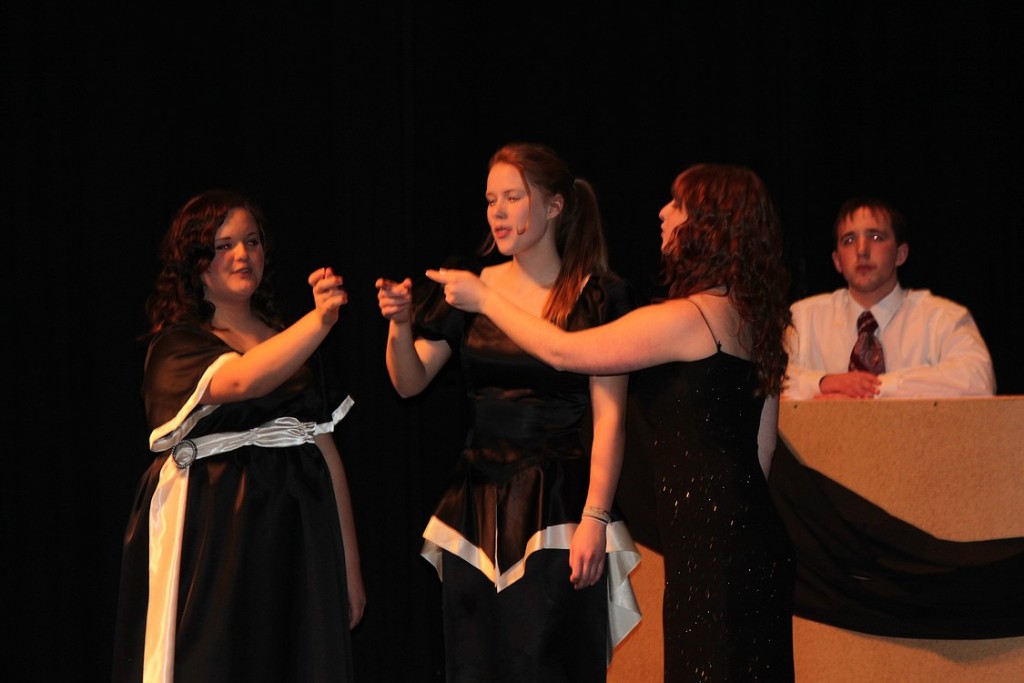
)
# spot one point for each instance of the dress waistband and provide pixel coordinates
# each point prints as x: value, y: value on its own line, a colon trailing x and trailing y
x: 525, y: 419
x: 282, y: 431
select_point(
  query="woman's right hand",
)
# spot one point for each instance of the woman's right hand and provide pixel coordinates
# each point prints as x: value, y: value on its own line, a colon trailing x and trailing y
x: 395, y: 299
x: 462, y: 289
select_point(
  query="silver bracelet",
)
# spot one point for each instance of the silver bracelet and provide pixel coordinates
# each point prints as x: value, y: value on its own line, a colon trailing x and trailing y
x: 600, y: 514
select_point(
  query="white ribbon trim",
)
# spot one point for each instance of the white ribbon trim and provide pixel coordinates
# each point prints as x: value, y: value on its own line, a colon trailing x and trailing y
x: 623, y: 557
x: 623, y: 608
x: 167, y: 518
x: 172, y: 431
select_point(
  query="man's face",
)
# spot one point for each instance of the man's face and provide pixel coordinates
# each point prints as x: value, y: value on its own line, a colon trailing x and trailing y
x: 867, y: 255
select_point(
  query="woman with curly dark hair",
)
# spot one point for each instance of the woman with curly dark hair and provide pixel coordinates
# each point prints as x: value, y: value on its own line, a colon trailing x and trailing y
x: 715, y: 346
x: 240, y: 559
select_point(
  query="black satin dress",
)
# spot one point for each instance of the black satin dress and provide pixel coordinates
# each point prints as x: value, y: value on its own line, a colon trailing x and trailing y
x: 500, y: 535
x: 261, y: 594
x: 728, y: 561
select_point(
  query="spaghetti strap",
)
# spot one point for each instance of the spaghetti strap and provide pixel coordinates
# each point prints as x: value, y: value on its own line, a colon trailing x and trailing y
x: 701, y: 311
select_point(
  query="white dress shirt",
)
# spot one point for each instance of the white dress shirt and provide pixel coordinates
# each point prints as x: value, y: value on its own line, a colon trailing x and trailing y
x: 932, y: 346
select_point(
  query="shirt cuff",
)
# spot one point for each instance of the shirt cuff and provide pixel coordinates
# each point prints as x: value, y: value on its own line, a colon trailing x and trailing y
x: 888, y: 386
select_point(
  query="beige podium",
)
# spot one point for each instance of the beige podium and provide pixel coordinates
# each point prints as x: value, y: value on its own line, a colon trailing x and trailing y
x: 951, y: 467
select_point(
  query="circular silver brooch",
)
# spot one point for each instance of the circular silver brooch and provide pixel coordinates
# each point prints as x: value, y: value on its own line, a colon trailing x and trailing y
x: 184, y: 453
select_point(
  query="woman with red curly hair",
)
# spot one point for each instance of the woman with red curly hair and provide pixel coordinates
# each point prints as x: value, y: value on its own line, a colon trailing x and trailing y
x: 715, y: 346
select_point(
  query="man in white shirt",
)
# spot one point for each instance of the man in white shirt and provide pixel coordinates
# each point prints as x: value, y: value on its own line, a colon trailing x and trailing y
x: 909, y: 343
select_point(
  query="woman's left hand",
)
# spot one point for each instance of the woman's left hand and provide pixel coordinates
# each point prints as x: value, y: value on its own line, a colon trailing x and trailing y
x: 329, y: 295
x: 587, y: 553
x: 462, y: 289
x: 356, y: 598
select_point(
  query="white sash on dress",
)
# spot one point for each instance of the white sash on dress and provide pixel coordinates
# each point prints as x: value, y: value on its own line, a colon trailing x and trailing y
x: 167, y: 517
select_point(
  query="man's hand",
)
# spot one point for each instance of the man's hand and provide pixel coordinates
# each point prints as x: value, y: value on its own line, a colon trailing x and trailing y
x: 854, y: 384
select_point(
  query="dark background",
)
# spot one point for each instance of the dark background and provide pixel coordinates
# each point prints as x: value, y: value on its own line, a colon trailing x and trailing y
x: 364, y: 133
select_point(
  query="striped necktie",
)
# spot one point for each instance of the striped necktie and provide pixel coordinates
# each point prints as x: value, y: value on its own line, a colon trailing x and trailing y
x: 867, y: 353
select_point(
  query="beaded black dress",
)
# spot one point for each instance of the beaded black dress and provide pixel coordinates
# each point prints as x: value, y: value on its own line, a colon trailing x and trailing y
x: 234, y: 568
x: 728, y: 561
x: 514, y: 502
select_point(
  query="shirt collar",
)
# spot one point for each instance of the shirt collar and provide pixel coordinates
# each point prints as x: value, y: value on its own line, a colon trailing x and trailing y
x: 883, y: 311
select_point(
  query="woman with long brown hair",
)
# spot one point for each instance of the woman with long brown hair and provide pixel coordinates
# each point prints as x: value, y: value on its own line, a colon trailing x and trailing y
x: 715, y: 346
x: 533, y: 555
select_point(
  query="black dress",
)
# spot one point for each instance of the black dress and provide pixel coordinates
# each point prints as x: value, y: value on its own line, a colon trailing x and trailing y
x: 728, y: 560
x: 499, y: 538
x: 248, y: 578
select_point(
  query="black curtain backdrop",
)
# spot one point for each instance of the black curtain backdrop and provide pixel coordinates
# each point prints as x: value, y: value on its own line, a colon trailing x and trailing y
x: 364, y: 130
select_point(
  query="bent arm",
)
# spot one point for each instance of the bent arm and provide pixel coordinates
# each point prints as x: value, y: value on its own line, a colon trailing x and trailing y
x: 964, y: 367
x: 413, y: 362
x: 267, y: 365
x: 803, y: 376
x: 805, y: 379
x: 801, y: 382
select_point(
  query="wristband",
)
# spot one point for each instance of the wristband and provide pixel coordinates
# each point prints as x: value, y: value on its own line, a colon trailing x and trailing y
x: 597, y: 513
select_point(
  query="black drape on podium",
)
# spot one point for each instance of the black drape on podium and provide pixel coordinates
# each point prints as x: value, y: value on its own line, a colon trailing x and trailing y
x: 862, y: 569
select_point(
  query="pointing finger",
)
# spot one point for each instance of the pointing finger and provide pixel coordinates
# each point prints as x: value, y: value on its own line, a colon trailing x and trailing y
x: 440, y: 275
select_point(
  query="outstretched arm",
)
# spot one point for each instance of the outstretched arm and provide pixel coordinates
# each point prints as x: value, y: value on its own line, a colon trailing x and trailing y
x: 265, y: 366
x: 412, y: 363
x: 647, y: 336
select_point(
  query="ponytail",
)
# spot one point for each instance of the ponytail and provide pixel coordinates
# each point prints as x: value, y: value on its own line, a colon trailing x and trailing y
x: 579, y: 238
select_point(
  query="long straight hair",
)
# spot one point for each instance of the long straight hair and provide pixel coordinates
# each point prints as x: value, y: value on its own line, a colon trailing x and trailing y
x: 579, y: 236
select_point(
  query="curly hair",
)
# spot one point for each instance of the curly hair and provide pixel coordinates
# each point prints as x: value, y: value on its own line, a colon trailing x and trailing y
x: 186, y: 252
x: 579, y: 236
x: 731, y: 238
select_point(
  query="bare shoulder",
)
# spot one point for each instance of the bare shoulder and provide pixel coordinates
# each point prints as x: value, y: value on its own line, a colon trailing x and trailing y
x: 723, y: 321
x: 715, y: 307
x: 676, y: 315
x: 676, y: 326
x: 493, y: 273
x: 681, y: 309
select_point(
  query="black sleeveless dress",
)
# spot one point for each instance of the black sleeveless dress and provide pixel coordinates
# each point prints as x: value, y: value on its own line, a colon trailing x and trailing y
x: 728, y: 560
